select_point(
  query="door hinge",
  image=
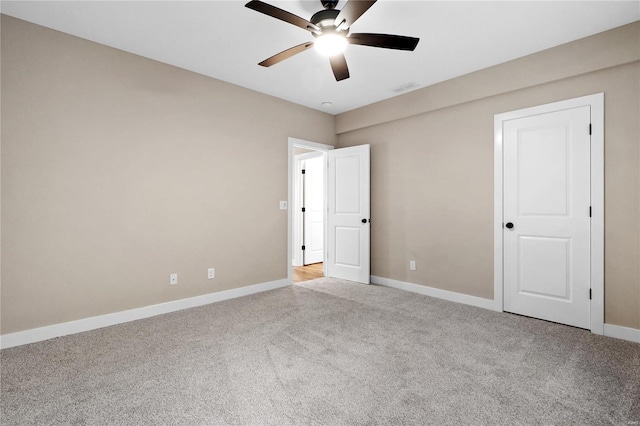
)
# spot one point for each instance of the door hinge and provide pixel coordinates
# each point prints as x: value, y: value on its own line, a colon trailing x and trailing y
x: 303, y: 210
x: 303, y: 171
x: 589, y: 211
x: 589, y: 294
x: 589, y: 129
x: 303, y: 248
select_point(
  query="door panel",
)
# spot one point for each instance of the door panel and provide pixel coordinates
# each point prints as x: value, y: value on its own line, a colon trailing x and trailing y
x: 347, y: 172
x: 546, y: 198
x: 348, y: 195
x: 553, y: 279
x: 542, y: 171
x: 348, y: 246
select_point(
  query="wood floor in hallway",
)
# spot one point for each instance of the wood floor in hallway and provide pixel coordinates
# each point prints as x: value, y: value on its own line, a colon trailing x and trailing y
x: 308, y: 272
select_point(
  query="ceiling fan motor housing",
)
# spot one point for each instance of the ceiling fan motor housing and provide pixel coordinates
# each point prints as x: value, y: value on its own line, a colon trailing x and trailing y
x: 326, y: 21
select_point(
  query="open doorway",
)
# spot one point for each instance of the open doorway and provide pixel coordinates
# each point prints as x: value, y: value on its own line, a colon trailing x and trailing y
x: 309, y: 214
x: 346, y: 225
x: 307, y: 198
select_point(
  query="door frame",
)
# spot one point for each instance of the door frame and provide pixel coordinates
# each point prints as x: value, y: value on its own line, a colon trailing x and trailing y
x: 596, y: 103
x: 300, y: 143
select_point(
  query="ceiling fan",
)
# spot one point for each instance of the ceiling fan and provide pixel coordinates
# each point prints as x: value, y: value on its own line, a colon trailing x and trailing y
x: 330, y: 27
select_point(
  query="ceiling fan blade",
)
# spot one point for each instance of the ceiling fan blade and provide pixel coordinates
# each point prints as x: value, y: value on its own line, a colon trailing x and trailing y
x: 352, y: 11
x: 387, y: 41
x: 286, y: 54
x: 283, y: 15
x: 339, y: 66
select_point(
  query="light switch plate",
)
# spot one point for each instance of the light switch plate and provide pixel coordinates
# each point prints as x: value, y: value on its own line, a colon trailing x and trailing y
x: 283, y: 205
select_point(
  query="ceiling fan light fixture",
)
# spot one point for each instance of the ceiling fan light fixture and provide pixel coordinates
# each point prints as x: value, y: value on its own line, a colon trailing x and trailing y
x: 331, y: 29
x: 330, y: 44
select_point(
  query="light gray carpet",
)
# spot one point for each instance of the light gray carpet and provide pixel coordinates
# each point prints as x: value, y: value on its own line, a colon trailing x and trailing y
x: 325, y: 352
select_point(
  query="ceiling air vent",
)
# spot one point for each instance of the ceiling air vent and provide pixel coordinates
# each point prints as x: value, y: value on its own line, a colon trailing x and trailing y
x: 405, y: 87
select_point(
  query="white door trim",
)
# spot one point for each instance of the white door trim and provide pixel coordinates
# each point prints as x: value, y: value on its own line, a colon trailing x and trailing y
x: 298, y: 143
x: 596, y: 102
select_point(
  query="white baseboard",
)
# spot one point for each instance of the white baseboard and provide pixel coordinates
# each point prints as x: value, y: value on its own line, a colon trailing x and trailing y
x: 86, y: 324
x: 610, y: 330
x: 620, y: 332
x: 436, y: 292
x: 72, y: 327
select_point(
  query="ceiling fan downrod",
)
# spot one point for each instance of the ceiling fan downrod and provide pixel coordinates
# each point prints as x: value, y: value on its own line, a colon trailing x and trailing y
x: 329, y: 4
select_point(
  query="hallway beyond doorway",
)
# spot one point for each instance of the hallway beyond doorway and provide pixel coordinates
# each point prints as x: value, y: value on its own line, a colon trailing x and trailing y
x: 306, y: 273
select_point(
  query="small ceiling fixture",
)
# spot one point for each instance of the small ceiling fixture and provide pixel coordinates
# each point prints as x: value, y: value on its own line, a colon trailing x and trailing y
x: 330, y: 27
x: 327, y: 104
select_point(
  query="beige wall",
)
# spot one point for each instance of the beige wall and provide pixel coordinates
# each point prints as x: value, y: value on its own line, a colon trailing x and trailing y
x: 432, y: 167
x: 299, y: 151
x: 118, y: 170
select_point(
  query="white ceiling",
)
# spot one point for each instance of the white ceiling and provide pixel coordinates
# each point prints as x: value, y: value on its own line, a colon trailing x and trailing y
x: 225, y: 40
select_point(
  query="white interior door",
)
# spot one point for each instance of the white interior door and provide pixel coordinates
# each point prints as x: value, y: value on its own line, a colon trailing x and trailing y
x: 546, y: 237
x: 348, y: 218
x: 313, y: 203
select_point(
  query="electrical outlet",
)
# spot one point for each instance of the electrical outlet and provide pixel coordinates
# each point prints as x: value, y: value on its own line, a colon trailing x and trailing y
x: 173, y: 279
x: 412, y: 265
x: 211, y: 273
